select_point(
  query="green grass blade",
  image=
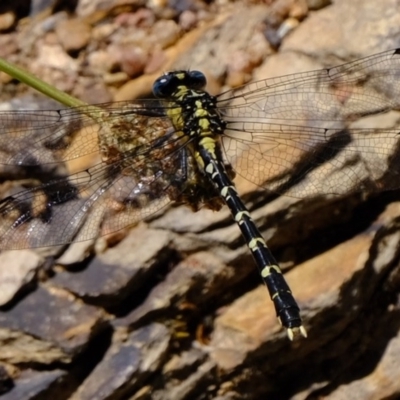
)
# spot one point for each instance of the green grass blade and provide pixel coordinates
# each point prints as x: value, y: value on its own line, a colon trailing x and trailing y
x: 41, y: 86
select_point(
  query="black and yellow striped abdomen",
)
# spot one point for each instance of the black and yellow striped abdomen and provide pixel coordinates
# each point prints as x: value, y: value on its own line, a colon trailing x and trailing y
x: 194, y: 115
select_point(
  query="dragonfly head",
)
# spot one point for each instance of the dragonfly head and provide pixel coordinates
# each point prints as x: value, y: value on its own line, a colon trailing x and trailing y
x: 170, y: 83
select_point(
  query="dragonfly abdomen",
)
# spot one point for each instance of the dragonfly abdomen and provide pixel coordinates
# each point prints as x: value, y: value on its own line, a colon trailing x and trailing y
x: 193, y: 112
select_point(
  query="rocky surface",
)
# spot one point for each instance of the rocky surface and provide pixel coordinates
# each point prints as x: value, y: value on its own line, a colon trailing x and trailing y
x: 173, y: 308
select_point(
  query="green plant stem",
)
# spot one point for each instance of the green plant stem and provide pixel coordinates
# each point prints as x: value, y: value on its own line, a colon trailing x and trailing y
x: 41, y: 86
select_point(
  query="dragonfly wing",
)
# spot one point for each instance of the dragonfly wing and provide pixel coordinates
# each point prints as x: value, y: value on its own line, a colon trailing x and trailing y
x: 98, y: 201
x: 36, y: 138
x: 300, y: 134
x: 139, y: 157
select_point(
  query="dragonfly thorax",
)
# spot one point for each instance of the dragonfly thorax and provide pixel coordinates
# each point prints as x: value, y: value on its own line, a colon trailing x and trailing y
x: 191, y: 109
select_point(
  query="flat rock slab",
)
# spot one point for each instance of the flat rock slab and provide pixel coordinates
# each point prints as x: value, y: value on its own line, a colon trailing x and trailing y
x: 17, y: 270
x: 131, y: 359
x: 31, y: 385
x: 50, y: 325
x: 115, y: 274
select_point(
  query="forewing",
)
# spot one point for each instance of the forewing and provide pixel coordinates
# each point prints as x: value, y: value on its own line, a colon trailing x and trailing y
x: 310, y: 133
x: 132, y: 176
x: 33, y: 138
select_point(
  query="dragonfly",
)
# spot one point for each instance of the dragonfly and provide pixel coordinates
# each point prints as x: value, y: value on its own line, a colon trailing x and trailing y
x: 73, y: 174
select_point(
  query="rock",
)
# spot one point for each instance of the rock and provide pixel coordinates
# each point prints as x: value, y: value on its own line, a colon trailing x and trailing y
x: 32, y: 384
x: 130, y: 361
x: 6, y: 382
x: 17, y: 271
x: 193, y: 284
x: 118, y: 273
x: 347, y: 40
x: 51, y: 337
x: 318, y: 4
x: 54, y: 56
x: 165, y: 33
x: 131, y: 58
x: 38, y: 6
x: 381, y: 382
x: 73, y: 34
x: 7, y: 20
x: 215, y: 55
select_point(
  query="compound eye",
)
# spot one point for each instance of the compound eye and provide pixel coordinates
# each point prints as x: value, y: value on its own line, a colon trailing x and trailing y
x: 165, y: 85
x: 197, y: 79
